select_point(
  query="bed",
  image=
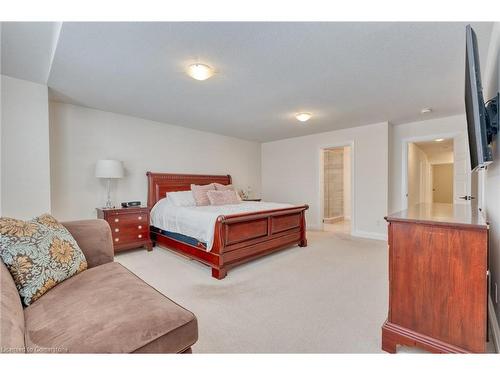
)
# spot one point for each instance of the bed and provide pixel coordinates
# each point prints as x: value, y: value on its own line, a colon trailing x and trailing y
x: 237, y: 237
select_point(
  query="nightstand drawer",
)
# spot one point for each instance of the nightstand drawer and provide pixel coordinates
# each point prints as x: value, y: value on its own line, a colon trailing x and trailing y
x: 129, y: 218
x: 126, y: 237
x: 128, y: 227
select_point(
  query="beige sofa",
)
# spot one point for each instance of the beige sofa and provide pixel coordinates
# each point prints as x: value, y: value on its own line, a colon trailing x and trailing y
x: 105, y: 309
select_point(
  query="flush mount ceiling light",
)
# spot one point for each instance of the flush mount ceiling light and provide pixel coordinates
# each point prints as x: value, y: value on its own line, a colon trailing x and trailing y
x: 439, y: 140
x: 303, y: 116
x: 200, y: 72
x: 426, y: 110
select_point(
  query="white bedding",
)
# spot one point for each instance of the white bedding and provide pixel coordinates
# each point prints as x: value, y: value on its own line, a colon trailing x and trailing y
x: 199, y: 221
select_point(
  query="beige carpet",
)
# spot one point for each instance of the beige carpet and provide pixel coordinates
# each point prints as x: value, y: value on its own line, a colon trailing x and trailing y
x: 330, y: 297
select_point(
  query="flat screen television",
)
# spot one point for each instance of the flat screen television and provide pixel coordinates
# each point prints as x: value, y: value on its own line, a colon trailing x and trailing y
x: 482, y: 118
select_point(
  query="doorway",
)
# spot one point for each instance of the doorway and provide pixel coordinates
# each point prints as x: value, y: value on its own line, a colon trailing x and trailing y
x: 337, y: 189
x: 430, y: 171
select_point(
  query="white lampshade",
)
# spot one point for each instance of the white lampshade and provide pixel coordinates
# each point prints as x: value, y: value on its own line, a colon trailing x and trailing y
x: 109, y: 169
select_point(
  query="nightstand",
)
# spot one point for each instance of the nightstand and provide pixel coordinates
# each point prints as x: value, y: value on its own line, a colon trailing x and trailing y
x: 251, y: 199
x: 129, y: 227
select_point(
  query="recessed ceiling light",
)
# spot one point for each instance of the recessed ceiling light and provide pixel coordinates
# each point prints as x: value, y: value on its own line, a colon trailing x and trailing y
x: 200, y: 72
x: 303, y: 116
x: 426, y: 110
x: 439, y: 140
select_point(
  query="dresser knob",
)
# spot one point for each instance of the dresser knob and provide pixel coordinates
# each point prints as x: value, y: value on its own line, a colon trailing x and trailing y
x: 117, y: 239
x: 117, y: 220
x: 117, y: 230
x: 139, y: 236
x: 139, y: 227
x: 140, y: 218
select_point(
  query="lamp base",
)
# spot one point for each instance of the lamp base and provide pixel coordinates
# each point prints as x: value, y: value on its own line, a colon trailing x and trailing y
x: 108, y: 205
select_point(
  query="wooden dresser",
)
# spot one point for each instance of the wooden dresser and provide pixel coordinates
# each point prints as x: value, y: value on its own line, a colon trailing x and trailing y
x: 438, y: 279
x: 129, y: 227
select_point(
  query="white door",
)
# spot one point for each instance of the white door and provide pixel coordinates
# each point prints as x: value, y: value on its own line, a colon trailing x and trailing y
x: 442, y: 183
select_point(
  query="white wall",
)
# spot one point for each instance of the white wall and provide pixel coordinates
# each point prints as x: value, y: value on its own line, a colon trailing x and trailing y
x: 291, y: 172
x: 25, y: 166
x: 447, y: 127
x: 347, y: 182
x: 81, y: 136
x: 491, y: 83
x: 441, y: 158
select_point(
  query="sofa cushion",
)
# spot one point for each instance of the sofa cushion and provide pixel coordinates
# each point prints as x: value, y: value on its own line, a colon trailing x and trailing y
x: 11, y: 315
x: 94, y: 238
x: 107, y: 309
x: 39, y: 254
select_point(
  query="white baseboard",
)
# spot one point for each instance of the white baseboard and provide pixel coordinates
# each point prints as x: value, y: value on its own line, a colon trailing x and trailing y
x: 370, y: 235
x: 495, y: 329
x: 354, y: 233
x: 314, y: 227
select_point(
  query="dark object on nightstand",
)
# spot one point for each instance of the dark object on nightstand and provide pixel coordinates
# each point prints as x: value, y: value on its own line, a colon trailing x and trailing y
x: 129, y: 227
x: 131, y: 204
x: 251, y: 199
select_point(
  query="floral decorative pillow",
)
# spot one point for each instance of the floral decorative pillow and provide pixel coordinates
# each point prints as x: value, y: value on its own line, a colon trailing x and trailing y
x: 39, y: 253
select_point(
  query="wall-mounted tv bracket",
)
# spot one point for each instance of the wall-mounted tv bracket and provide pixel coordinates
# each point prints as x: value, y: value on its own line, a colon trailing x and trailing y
x: 492, y: 117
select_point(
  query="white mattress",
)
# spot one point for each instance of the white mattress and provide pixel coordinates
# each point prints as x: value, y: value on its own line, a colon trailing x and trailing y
x: 199, y: 221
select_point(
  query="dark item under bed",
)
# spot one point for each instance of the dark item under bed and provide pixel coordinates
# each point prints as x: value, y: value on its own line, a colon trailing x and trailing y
x: 179, y: 237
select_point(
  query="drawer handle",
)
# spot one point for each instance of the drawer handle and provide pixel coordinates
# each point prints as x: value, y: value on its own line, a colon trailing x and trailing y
x: 117, y: 220
x: 140, y: 218
x: 117, y: 239
x: 117, y: 230
x: 139, y: 236
x: 139, y: 227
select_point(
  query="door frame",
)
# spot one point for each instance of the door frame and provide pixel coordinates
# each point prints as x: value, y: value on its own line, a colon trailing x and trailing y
x: 321, y: 192
x: 404, y: 163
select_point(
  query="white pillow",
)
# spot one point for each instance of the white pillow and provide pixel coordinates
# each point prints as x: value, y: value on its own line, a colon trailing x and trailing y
x: 181, y: 198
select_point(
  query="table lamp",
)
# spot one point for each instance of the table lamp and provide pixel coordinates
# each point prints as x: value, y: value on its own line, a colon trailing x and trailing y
x: 109, y: 169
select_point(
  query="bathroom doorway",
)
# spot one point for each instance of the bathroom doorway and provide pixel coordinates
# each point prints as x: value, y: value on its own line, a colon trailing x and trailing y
x: 337, y: 189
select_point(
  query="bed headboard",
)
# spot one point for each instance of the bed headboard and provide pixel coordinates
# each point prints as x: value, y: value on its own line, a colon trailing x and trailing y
x: 159, y: 184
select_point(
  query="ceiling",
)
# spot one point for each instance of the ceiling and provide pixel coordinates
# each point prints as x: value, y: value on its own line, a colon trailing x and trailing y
x: 346, y: 74
x: 437, y: 150
x: 28, y: 49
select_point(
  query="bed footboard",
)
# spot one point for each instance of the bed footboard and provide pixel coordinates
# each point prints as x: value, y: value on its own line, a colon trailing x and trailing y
x: 242, y: 237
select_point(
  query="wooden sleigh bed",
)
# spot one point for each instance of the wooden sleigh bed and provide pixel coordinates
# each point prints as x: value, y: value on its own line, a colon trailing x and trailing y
x: 238, y: 238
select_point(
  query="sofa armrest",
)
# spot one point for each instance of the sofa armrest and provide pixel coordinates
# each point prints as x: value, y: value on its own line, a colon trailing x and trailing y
x: 94, y: 238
